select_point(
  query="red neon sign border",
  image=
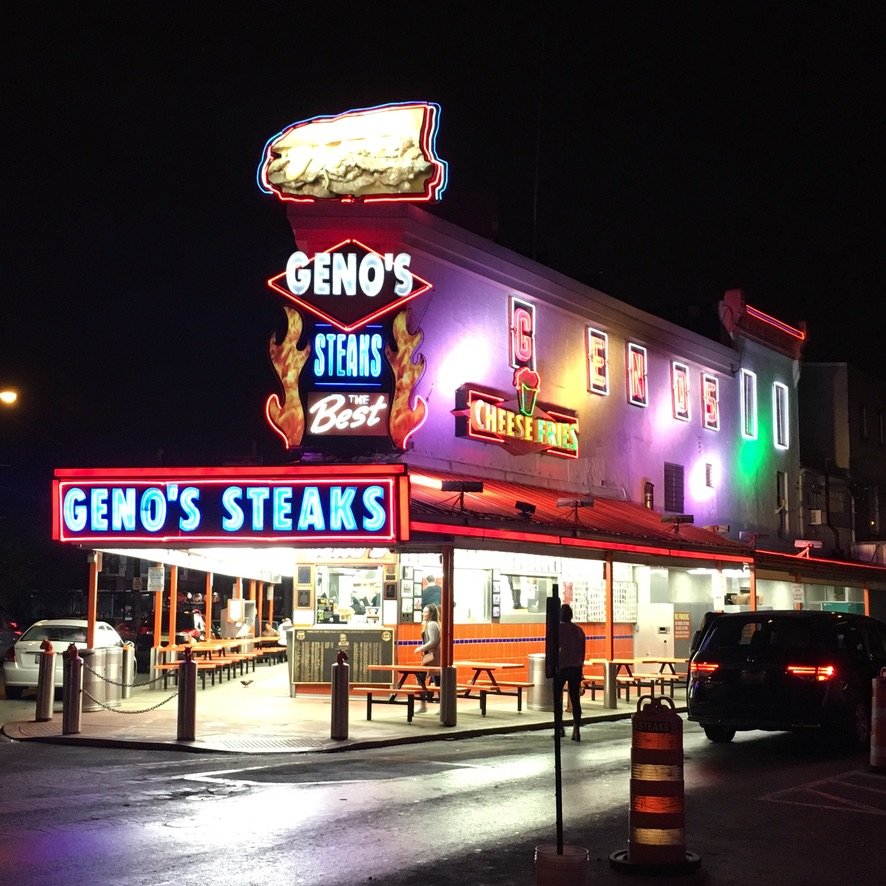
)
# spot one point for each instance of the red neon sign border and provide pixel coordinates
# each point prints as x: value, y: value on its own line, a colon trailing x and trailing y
x: 394, y: 493
x: 780, y: 325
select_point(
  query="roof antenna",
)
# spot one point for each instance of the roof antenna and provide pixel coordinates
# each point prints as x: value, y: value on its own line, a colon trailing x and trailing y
x: 541, y: 72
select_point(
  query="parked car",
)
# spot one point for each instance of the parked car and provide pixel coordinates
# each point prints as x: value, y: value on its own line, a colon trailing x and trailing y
x: 21, y: 664
x: 786, y: 670
x: 9, y: 632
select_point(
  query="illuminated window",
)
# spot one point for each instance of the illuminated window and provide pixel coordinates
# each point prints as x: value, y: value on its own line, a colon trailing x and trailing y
x: 781, y: 501
x: 673, y: 488
x: 598, y: 361
x: 710, y: 402
x: 780, y: 415
x: 748, y: 404
x: 638, y: 393
x: 680, y: 390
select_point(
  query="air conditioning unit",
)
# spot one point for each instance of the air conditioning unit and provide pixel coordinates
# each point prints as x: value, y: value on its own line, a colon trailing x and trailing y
x: 815, y: 516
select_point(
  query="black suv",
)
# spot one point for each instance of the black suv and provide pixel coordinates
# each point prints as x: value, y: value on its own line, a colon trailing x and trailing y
x: 786, y: 670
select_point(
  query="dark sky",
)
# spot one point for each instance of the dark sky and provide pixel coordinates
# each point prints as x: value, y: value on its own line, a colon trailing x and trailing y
x: 677, y: 150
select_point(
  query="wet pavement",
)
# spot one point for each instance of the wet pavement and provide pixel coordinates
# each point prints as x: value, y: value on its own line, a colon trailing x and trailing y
x: 256, y: 714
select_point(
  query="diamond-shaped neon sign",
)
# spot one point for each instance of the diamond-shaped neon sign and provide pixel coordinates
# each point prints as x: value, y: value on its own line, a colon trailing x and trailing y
x: 349, y: 284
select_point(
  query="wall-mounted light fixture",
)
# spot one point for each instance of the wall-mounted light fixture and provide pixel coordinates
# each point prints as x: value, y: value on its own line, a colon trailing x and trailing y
x: 575, y: 504
x: 525, y: 508
x: 747, y: 535
x: 676, y: 520
x: 461, y: 487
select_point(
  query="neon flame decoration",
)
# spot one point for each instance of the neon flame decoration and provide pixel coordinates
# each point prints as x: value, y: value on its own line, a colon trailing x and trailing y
x: 385, y: 153
x: 405, y: 420
x: 288, y: 418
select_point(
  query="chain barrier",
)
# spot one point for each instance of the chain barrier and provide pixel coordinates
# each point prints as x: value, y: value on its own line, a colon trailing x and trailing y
x: 129, y: 685
x: 117, y: 683
x: 119, y: 711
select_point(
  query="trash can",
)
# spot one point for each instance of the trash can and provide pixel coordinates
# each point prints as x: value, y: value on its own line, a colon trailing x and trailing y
x: 541, y: 696
x: 102, y: 676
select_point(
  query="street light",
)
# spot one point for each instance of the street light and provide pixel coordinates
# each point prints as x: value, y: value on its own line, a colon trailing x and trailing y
x: 8, y: 396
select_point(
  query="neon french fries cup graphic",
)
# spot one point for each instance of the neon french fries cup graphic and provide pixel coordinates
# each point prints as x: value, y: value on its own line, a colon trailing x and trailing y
x: 526, y: 382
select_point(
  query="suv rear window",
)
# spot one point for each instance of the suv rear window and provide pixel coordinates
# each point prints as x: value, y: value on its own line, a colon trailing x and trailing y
x: 760, y: 633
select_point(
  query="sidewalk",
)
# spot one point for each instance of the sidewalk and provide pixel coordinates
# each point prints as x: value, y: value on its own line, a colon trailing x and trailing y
x: 262, y: 718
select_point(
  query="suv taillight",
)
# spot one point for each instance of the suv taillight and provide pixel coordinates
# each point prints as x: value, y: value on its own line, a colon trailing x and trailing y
x: 699, y: 669
x: 817, y: 673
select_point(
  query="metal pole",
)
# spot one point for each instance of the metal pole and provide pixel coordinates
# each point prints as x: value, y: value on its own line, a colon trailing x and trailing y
x: 187, y: 698
x: 45, y: 683
x: 552, y: 669
x: 72, y: 696
x: 448, y: 681
x: 340, y: 687
x: 128, y: 669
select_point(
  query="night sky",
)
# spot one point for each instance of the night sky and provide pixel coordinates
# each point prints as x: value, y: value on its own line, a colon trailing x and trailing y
x: 661, y: 152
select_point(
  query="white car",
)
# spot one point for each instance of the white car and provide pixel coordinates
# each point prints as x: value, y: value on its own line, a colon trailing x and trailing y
x: 21, y: 665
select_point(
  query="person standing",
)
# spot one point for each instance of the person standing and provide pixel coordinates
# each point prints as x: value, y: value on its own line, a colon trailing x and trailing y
x: 432, y: 593
x: 571, y: 662
x: 430, y: 646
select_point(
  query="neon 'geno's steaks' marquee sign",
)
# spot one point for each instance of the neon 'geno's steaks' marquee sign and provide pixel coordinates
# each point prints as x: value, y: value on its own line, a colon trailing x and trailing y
x: 343, y: 504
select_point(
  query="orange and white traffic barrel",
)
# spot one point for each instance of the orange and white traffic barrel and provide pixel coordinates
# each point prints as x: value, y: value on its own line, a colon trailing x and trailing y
x: 878, y: 722
x: 657, y: 819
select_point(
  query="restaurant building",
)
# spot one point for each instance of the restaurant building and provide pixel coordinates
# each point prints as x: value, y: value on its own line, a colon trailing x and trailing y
x: 460, y: 423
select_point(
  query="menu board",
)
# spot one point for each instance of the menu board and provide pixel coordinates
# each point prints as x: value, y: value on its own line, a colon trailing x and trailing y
x: 624, y: 601
x: 315, y: 651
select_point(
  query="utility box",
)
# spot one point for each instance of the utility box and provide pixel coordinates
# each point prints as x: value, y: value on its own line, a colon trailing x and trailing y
x: 238, y: 619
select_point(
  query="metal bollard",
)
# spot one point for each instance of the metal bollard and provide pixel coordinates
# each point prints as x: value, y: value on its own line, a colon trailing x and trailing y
x: 45, y: 683
x: 448, y: 710
x: 128, y: 669
x: 72, y: 691
x: 187, y: 698
x: 340, y: 696
x: 878, y: 722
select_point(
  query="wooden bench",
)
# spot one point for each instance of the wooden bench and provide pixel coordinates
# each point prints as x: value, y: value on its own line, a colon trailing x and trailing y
x: 485, y: 688
x: 649, y: 681
x: 271, y: 654
x: 404, y: 695
x: 593, y: 684
x: 204, y: 666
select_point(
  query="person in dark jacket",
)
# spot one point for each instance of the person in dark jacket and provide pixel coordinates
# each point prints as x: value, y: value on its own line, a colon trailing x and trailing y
x: 571, y: 661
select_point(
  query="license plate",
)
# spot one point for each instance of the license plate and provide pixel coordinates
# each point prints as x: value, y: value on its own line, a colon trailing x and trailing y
x: 37, y: 657
x: 753, y: 678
